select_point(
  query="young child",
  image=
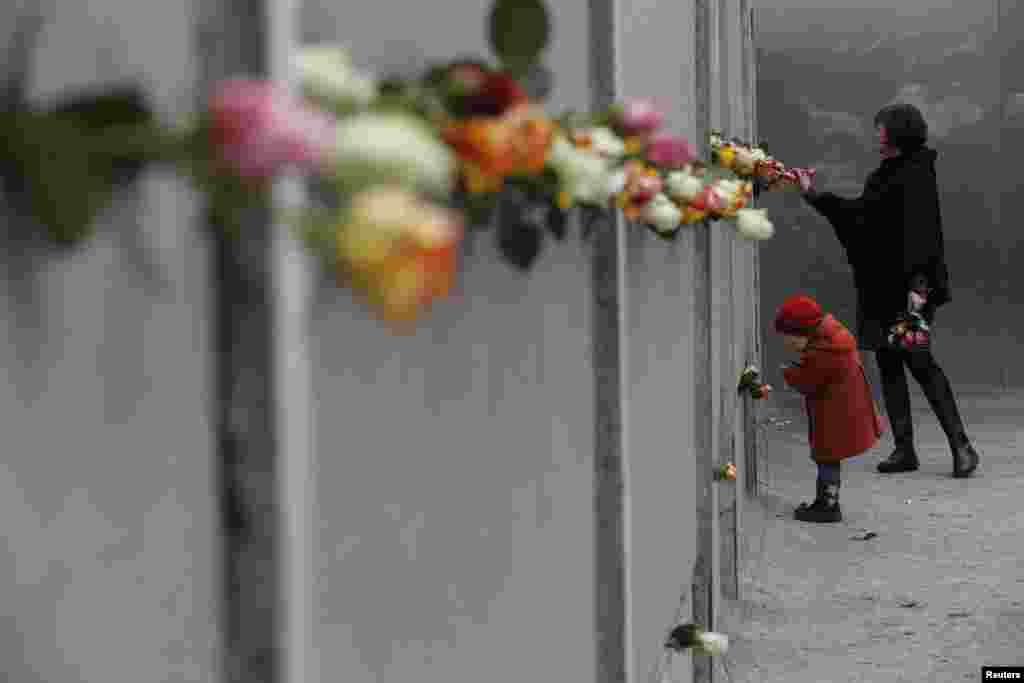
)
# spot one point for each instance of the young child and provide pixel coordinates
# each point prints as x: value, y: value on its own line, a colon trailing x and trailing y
x: 840, y: 410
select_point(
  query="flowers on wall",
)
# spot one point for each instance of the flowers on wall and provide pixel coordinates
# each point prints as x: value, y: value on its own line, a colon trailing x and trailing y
x: 397, y: 168
x: 750, y: 382
x: 697, y: 640
x: 726, y: 472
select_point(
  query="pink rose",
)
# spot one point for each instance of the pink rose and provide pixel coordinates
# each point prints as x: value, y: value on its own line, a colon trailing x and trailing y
x: 258, y: 128
x: 670, y: 151
x: 712, y: 200
x: 637, y: 117
x: 921, y: 337
x: 646, y: 188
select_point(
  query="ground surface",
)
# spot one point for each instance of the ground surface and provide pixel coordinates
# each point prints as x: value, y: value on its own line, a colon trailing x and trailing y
x: 936, y: 595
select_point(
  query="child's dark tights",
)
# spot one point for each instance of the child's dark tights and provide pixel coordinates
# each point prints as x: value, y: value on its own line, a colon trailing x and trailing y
x: 829, y: 473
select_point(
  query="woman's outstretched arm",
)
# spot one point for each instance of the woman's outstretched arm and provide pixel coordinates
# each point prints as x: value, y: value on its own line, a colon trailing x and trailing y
x: 849, y: 216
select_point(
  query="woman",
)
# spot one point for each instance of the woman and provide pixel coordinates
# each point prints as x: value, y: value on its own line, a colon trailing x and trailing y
x: 892, y: 235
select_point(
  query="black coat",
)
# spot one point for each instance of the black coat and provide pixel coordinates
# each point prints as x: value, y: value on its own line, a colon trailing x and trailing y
x: 892, y: 234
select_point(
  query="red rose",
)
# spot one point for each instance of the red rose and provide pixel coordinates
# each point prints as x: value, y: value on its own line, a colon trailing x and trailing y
x: 476, y: 91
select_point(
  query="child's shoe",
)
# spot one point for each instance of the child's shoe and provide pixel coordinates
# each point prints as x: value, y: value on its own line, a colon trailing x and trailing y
x: 825, y: 508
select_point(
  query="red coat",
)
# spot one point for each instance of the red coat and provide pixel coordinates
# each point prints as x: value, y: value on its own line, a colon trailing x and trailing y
x: 840, y: 409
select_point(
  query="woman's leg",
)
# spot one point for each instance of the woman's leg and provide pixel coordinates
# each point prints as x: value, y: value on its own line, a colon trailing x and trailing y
x: 897, y: 406
x: 940, y: 396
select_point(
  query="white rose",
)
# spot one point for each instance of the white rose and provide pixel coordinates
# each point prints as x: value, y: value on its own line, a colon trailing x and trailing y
x: 326, y: 71
x: 713, y: 643
x: 758, y: 154
x: 662, y: 214
x: 684, y: 185
x: 728, y: 188
x: 753, y: 224
x: 723, y: 194
x: 393, y: 147
x: 606, y: 142
x: 583, y: 174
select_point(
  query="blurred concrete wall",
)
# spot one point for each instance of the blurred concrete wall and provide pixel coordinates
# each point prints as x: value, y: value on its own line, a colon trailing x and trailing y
x: 456, y: 467
x: 106, y: 504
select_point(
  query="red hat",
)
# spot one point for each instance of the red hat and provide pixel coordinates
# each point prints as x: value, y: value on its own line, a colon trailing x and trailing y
x: 798, y: 316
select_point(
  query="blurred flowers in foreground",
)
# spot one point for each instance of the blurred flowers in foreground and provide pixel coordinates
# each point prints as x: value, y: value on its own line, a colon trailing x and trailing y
x: 395, y: 166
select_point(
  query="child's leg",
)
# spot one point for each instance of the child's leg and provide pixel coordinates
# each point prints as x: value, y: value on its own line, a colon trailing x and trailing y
x: 825, y: 507
x: 829, y: 474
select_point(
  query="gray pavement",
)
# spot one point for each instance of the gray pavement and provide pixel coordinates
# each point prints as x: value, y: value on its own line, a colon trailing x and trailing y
x: 934, y: 596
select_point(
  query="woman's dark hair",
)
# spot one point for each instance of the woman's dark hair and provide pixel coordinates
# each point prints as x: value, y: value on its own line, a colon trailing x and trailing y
x: 905, y: 126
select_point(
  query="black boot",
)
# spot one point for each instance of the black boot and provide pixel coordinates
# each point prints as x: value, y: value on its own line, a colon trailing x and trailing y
x: 940, y: 396
x: 903, y: 458
x: 965, y: 458
x: 825, y: 508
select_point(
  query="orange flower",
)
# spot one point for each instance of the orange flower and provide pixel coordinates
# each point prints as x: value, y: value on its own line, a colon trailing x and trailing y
x: 399, y: 251
x: 491, y: 148
x: 486, y: 142
x: 532, y: 135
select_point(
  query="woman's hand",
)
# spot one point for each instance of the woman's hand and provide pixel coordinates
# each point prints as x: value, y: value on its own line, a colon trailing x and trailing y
x: 806, y: 178
x: 916, y: 301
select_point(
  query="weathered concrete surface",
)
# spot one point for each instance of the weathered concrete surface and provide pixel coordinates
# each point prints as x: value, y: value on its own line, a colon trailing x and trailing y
x: 822, y: 607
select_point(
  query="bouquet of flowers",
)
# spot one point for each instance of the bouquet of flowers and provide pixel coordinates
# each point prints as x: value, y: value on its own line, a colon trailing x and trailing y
x: 911, y: 331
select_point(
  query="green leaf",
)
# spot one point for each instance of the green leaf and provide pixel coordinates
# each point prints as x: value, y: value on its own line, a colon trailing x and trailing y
x: 519, y: 31
x: 62, y: 185
x: 98, y: 109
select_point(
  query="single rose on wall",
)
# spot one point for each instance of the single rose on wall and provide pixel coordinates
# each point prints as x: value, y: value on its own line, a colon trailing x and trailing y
x: 726, y: 472
x: 696, y: 639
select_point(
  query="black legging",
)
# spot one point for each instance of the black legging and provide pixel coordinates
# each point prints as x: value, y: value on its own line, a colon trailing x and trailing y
x: 934, y: 384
